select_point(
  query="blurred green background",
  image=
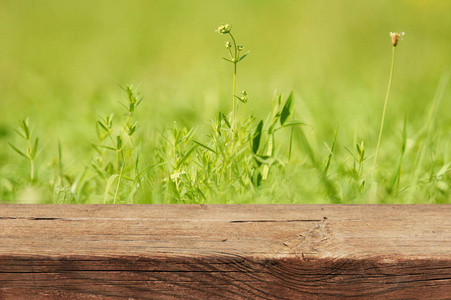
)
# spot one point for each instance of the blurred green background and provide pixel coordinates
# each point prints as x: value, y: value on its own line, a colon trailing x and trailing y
x: 61, y: 63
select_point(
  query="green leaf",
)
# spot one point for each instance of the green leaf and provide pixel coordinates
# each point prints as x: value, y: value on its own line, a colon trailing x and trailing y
x: 404, y: 136
x: 109, y: 120
x: 227, y: 59
x: 241, y: 99
x: 257, y: 178
x: 205, y: 146
x: 60, y: 160
x: 350, y: 152
x: 264, y: 159
x: 291, y: 123
x: 331, y: 153
x: 127, y: 178
x: 186, y: 136
x: 218, y: 124
x: 21, y: 134
x: 294, y: 123
x: 173, y: 187
x: 274, y: 122
x: 201, y: 194
x: 290, y: 147
x: 354, y: 174
x: 443, y: 171
x: 26, y: 130
x: 108, y: 186
x: 18, y: 151
x: 279, y: 100
x: 138, y: 102
x: 119, y: 142
x: 131, y: 129
x: 257, y: 137
x: 102, y: 146
x: 97, y: 169
x: 244, y: 55
x: 286, y: 110
x: 226, y: 120
x: 35, y: 147
x: 361, y: 150
x: 103, y: 126
x: 123, y: 105
x: 238, y: 154
x: 185, y: 157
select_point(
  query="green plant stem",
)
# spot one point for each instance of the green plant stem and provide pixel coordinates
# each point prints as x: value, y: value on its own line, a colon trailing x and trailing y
x: 118, y: 160
x: 234, y: 91
x: 269, y: 152
x: 384, y: 110
x: 125, y: 125
x: 119, y: 151
x: 32, y: 170
x: 242, y: 114
x: 30, y: 157
x: 117, y: 186
x: 60, y: 164
x: 235, y: 61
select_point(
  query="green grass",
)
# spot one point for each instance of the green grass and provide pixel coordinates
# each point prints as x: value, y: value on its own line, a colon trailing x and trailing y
x: 306, y: 130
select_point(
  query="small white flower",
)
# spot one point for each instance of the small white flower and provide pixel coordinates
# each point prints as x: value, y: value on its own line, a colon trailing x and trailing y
x: 395, y: 37
x: 224, y: 29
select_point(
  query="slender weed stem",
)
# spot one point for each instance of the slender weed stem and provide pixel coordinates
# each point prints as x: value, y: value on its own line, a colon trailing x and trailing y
x: 235, y: 61
x: 235, y: 58
x: 385, y: 109
x: 234, y: 93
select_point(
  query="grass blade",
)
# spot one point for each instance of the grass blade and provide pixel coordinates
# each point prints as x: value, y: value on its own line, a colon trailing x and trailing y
x: 35, y: 147
x: 18, y: 151
x: 397, y: 175
x: 226, y: 120
x: 286, y: 110
x: 185, y: 157
x: 108, y: 186
x: 257, y: 137
x: 331, y: 153
x: 205, y: 146
x: 102, y: 146
x: 26, y: 130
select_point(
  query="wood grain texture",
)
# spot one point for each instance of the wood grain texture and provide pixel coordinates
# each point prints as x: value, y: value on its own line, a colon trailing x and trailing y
x: 225, y: 252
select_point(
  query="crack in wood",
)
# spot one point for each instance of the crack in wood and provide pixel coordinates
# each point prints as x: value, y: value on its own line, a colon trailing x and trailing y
x: 32, y: 218
x: 276, y: 221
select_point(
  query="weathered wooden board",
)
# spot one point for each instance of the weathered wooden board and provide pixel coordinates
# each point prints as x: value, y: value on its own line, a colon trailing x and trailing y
x: 225, y: 251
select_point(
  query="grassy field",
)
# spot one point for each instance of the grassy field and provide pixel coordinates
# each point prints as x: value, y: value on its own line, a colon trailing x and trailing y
x: 67, y: 66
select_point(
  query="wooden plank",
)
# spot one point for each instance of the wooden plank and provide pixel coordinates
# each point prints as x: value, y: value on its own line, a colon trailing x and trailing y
x: 225, y: 251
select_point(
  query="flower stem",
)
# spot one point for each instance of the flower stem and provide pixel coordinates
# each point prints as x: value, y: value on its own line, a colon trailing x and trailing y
x: 235, y: 61
x: 384, y: 110
x: 234, y: 91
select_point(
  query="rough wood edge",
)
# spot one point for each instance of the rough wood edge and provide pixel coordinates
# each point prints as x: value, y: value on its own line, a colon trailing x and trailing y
x: 225, y: 252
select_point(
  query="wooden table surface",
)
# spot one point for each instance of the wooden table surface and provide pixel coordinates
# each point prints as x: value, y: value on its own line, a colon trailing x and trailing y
x: 225, y: 251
